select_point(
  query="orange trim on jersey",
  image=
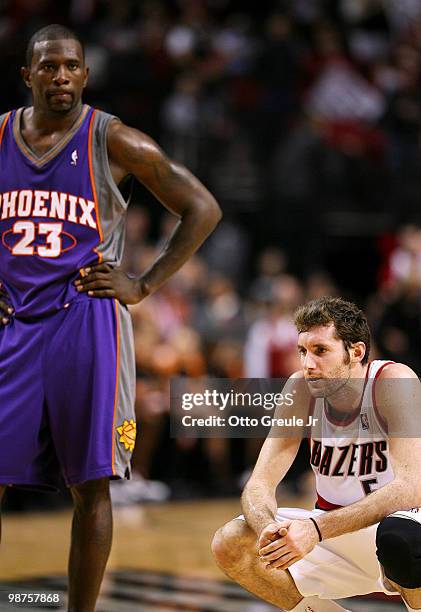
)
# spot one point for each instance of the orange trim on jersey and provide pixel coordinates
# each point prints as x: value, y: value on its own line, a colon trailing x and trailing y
x: 354, y: 414
x: 4, y: 126
x: 381, y: 419
x: 91, y: 174
x: 117, y: 380
x: 323, y: 504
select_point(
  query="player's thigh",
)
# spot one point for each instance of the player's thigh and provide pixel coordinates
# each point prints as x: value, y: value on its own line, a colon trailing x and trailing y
x: 90, y: 390
x: 23, y: 429
x: 339, y: 567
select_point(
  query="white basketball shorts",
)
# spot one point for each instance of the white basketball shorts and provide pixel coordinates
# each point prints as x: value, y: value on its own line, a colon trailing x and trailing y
x: 340, y: 567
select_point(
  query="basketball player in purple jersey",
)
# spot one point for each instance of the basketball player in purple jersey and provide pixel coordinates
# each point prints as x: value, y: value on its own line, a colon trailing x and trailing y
x: 66, y: 346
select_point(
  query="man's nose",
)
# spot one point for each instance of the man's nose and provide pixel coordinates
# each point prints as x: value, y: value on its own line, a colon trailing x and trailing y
x: 309, y: 363
x: 61, y: 76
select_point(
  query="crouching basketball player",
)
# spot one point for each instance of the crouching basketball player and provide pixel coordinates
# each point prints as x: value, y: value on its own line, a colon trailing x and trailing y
x: 365, y: 533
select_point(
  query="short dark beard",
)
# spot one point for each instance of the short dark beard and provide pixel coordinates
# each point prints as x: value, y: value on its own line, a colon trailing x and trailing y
x: 61, y: 112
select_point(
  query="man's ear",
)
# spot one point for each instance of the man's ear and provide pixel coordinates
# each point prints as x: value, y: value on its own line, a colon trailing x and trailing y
x: 26, y: 76
x: 358, y: 351
x: 86, y: 77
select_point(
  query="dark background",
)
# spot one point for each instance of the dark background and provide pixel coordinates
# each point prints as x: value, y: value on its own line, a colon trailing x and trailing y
x: 303, y: 118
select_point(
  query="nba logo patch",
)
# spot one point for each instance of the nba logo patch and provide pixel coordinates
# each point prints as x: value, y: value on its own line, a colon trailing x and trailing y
x: 364, y: 421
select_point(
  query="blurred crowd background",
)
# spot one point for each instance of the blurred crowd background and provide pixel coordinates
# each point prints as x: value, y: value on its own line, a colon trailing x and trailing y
x: 304, y: 119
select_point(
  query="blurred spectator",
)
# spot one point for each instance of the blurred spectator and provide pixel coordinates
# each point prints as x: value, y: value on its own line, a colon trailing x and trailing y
x: 227, y: 251
x: 222, y: 315
x: 270, y: 348
x: 182, y: 121
x: 402, y: 13
x: 405, y: 260
x: 398, y: 330
x: 403, y: 116
x: 271, y: 263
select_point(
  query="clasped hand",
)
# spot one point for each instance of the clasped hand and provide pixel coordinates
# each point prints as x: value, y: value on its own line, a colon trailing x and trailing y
x: 286, y: 542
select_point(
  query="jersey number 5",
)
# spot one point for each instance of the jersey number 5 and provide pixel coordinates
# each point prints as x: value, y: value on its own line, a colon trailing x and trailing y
x: 51, y: 231
x: 368, y: 484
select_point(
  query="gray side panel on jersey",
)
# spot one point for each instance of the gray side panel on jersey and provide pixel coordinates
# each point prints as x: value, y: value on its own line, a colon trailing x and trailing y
x: 111, y: 204
x: 125, y: 409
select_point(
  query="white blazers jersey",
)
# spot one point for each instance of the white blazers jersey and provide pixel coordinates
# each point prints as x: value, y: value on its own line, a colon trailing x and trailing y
x: 350, y: 458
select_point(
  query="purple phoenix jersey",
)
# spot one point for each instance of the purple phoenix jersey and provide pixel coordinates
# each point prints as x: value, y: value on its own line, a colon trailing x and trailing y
x: 66, y: 360
x: 47, y: 234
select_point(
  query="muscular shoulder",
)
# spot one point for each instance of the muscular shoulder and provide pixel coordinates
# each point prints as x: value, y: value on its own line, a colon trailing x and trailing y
x: 396, y: 370
x: 130, y: 147
x: 398, y: 397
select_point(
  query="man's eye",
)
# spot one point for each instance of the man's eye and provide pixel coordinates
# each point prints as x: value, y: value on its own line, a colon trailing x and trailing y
x: 320, y: 351
x: 73, y: 66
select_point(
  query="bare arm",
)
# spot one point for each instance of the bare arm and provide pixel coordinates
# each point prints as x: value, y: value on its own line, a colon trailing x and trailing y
x: 258, y: 499
x: 276, y: 457
x: 176, y: 188
x: 398, y: 393
x: 132, y: 152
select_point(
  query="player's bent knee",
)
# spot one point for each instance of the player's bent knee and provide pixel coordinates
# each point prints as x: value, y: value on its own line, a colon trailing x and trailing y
x: 398, y: 543
x: 231, y: 541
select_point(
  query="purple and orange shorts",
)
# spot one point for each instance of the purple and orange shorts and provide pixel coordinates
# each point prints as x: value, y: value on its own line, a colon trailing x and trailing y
x: 67, y: 389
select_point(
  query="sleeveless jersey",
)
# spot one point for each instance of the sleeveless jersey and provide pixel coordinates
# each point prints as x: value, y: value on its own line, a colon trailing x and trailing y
x: 58, y: 213
x: 350, y: 458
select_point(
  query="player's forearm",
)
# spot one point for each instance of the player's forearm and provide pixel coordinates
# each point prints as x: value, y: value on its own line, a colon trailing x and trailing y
x: 397, y: 495
x: 259, y: 495
x: 190, y: 232
x: 259, y: 506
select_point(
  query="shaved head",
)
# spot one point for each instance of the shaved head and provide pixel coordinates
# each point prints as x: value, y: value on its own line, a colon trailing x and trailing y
x: 54, y: 31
